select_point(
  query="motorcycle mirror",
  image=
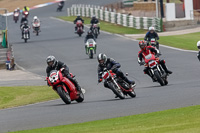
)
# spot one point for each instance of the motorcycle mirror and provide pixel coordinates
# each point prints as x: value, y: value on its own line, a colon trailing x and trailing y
x: 126, y: 74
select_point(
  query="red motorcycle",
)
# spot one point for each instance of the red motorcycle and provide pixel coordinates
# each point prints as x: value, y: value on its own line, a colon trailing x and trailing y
x: 64, y: 87
x: 79, y: 25
x: 25, y: 13
x: 155, y: 69
x: 119, y: 87
x: 16, y: 16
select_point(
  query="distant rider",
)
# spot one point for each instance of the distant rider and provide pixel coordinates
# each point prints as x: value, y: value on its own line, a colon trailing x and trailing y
x: 23, y: 19
x: 25, y: 26
x: 77, y: 19
x: 111, y: 64
x: 54, y: 64
x: 93, y: 21
x: 89, y: 35
x: 26, y: 9
x: 198, y: 46
x: 152, y: 34
x: 36, y: 20
x: 146, y: 50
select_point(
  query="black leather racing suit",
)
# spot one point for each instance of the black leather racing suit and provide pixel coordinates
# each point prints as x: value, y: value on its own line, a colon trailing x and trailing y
x: 94, y: 21
x: 58, y: 65
x: 111, y: 64
x: 149, y: 36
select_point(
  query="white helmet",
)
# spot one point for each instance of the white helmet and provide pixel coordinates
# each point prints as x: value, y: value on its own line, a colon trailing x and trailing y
x: 198, y: 44
x: 35, y: 17
x: 151, y: 28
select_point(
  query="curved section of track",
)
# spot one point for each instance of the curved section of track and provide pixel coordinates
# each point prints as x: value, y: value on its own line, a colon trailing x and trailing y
x: 57, y: 38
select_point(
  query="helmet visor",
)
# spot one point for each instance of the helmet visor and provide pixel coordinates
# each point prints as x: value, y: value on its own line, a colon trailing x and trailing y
x: 101, y: 62
x: 50, y: 63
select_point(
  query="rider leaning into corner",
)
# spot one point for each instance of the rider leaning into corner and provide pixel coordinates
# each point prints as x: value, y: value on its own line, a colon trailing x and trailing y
x: 152, y: 34
x: 54, y: 64
x: 146, y: 50
x: 111, y: 64
x: 93, y: 21
x: 198, y: 46
x: 77, y: 19
x: 36, y: 19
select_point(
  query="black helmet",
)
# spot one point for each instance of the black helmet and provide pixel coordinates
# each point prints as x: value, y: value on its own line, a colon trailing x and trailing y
x: 102, y: 58
x: 89, y: 32
x: 93, y: 16
x: 51, y: 61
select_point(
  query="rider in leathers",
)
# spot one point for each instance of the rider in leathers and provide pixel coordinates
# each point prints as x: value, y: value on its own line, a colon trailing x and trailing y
x: 146, y: 50
x: 152, y: 34
x: 78, y: 18
x: 53, y: 64
x: 90, y: 35
x: 110, y: 64
x: 93, y: 21
x: 25, y: 26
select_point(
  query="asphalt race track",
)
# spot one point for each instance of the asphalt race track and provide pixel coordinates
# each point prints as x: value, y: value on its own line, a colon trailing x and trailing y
x: 58, y: 38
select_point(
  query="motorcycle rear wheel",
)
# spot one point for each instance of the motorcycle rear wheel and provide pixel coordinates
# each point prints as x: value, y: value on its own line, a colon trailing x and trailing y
x: 64, y: 95
x: 91, y: 54
x: 132, y: 93
x: 159, y: 79
x: 81, y: 97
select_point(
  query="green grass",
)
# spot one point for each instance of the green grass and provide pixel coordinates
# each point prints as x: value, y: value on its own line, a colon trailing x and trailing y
x: 182, y: 120
x: 109, y: 27
x: 186, y: 41
x: 23, y: 95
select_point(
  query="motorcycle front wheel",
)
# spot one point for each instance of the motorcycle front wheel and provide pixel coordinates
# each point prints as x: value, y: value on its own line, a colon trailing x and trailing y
x: 64, y: 95
x: 91, y: 54
x: 117, y: 91
x: 159, y: 79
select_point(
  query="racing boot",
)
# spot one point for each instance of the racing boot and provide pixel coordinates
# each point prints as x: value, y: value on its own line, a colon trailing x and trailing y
x: 131, y: 83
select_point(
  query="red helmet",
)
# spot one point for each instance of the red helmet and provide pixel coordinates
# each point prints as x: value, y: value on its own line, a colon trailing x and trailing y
x: 142, y: 44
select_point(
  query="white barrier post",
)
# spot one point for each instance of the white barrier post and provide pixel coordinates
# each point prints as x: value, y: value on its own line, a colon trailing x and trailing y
x: 101, y: 14
x: 130, y: 21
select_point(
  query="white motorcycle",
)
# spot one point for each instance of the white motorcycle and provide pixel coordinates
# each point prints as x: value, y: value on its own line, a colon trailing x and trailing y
x: 36, y: 27
x: 90, y: 48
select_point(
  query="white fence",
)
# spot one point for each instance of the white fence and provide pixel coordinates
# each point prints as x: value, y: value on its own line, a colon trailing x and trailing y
x: 113, y: 17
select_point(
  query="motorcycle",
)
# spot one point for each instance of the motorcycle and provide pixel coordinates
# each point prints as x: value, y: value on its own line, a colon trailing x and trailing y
x: 36, y: 27
x: 155, y: 69
x: 95, y: 30
x: 79, y: 26
x: 25, y: 13
x: 64, y: 87
x: 90, y: 48
x: 153, y: 43
x: 119, y: 87
x: 60, y: 7
x: 26, y: 35
x: 16, y: 16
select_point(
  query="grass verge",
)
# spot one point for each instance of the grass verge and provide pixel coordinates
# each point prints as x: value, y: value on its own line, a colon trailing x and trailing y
x: 23, y: 95
x: 186, y: 41
x: 182, y: 120
x: 109, y: 27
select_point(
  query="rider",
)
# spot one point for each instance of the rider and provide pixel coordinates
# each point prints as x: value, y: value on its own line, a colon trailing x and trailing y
x: 54, y: 64
x: 24, y: 26
x: 78, y: 18
x: 15, y: 11
x: 152, y: 34
x: 198, y: 46
x: 146, y: 50
x: 18, y: 9
x: 111, y: 64
x: 23, y: 19
x: 89, y: 35
x: 26, y: 9
x: 36, y: 19
x: 94, y: 20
